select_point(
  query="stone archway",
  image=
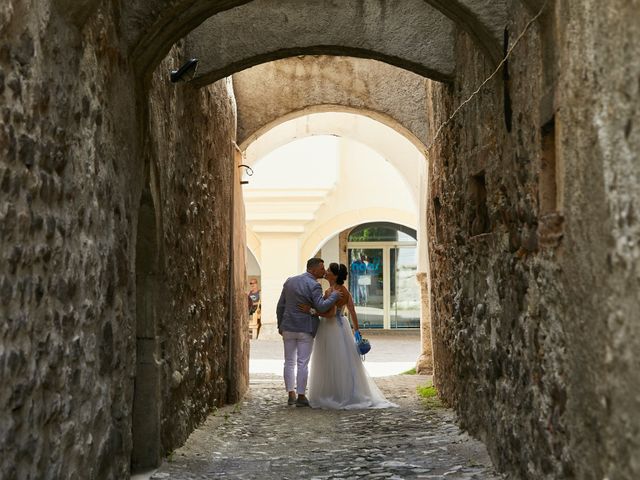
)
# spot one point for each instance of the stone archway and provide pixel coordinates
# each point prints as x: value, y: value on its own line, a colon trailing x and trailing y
x: 153, y: 26
x: 275, y: 92
x: 397, y: 148
x: 543, y: 371
x: 262, y: 31
x: 385, y: 136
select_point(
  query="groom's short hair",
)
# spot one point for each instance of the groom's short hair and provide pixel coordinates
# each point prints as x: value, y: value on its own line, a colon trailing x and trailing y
x: 312, y: 262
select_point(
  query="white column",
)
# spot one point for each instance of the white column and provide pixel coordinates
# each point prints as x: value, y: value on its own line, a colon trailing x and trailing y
x: 423, y: 251
x: 280, y: 260
x: 386, y: 287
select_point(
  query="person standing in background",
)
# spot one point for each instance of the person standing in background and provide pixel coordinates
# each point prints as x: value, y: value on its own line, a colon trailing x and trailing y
x: 254, y: 295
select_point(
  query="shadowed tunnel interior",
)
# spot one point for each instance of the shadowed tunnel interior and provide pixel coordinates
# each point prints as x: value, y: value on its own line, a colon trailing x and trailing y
x: 124, y: 230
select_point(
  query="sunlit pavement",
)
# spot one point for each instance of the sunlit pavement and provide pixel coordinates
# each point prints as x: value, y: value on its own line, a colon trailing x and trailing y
x: 375, y: 369
x: 391, y: 353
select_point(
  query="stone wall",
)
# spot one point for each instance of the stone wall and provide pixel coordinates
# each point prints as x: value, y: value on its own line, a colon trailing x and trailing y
x: 69, y: 170
x: 238, y: 382
x: 284, y: 89
x: 194, y: 180
x: 72, y: 175
x: 599, y: 149
x: 531, y: 247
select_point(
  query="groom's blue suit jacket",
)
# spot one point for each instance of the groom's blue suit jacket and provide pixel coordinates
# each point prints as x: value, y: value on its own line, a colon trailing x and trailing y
x: 303, y: 288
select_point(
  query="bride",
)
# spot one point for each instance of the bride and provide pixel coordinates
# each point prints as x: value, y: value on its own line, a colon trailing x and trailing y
x: 337, y: 379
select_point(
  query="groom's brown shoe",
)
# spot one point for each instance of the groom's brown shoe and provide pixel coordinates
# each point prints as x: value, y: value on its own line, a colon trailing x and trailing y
x: 291, y: 401
x: 302, y: 402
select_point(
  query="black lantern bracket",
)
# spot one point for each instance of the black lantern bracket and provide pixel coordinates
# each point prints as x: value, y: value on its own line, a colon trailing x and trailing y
x: 248, y: 171
x: 186, y: 72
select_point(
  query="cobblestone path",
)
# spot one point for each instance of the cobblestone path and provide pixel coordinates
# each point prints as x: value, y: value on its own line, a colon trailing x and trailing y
x: 263, y: 438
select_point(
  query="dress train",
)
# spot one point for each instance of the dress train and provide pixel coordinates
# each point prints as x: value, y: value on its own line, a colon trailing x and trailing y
x: 338, y: 379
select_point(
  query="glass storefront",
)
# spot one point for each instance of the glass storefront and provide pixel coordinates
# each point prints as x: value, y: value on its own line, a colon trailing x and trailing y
x: 382, y: 268
x: 366, y: 282
x: 405, y: 292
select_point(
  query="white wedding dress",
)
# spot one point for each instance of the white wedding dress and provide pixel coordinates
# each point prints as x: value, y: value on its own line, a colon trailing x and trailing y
x: 338, y: 379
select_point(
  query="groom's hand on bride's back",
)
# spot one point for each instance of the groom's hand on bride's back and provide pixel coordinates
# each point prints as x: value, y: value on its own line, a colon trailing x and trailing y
x: 304, y: 307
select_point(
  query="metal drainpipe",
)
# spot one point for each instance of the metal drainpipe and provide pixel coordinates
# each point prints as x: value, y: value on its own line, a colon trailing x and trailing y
x: 230, y: 280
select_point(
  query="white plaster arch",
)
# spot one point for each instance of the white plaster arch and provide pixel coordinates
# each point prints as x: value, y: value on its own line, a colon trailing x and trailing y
x: 253, y: 244
x: 384, y: 139
x: 318, y: 237
x: 253, y: 266
x: 368, y: 188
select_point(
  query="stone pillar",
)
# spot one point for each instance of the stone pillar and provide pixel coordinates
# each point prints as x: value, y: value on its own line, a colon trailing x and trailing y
x: 424, y: 365
x: 280, y: 255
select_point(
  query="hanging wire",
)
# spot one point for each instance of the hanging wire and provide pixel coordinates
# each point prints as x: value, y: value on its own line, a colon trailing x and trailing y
x: 237, y: 147
x: 490, y: 77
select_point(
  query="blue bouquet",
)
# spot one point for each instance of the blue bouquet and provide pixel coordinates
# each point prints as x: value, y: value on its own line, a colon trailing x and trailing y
x: 362, y: 344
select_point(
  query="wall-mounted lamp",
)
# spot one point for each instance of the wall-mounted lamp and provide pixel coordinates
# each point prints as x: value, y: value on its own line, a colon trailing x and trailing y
x: 185, y: 72
x: 249, y: 171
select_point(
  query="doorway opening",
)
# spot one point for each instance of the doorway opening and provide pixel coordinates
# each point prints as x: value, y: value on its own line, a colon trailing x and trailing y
x: 146, y: 452
x: 383, y: 263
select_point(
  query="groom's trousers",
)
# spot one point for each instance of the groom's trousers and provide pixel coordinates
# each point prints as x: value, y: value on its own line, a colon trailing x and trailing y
x: 297, y: 352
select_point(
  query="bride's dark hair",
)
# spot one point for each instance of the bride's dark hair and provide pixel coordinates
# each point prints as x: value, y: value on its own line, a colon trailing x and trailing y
x: 340, y: 271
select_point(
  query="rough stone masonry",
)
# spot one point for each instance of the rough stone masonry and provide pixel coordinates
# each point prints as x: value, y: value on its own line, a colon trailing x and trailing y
x: 82, y: 140
x: 121, y: 277
x: 534, y: 244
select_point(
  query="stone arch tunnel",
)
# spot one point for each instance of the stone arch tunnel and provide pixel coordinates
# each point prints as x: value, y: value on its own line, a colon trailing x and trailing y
x: 122, y: 275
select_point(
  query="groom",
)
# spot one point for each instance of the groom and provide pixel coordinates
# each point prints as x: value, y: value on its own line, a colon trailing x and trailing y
x: 299, y: 328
